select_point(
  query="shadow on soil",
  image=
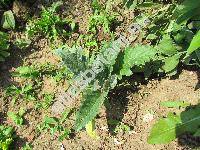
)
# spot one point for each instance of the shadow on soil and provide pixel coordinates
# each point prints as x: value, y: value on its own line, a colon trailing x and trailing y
x: 198, y: 84
x: 117, y: 103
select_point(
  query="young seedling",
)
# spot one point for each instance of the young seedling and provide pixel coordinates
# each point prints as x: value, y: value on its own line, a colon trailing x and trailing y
x: 50, y: 24
x: 54, y: 125
x: 101, y: 17
x: 4, y: 46
x: 46, y: 103
x: 25, y: 92
x: 17, y: 118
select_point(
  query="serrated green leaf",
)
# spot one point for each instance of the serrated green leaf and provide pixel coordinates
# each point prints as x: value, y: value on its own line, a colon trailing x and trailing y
x: 137, y: 56
x: 168, y: 129
x: 26, y: 72
x: 90, y: 108
x: 8, y: 20
x: 171, y: 63
x: 175, y: 104
x: 166, y: 46
x: 73, y: 58
x: 195, y: 44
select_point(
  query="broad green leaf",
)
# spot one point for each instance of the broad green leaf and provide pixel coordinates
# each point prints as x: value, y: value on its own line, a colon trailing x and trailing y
x: 8, y: 20
x: 187, y: 10
x: 195, y: 44
x: 1, y: 59
x: 197, y: 133
x: 4, y: 53
x: 90, y: 108
x: 171, y: 63
x: 191, y: 120
x: 175, y: 104
x: 168, y: 129
x: 164, y: 131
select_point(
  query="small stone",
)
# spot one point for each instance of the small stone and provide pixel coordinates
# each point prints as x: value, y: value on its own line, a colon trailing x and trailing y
x: 148, y: 117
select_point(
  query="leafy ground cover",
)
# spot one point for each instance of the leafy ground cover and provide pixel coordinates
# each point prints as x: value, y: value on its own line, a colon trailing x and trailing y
x: 45, y: 48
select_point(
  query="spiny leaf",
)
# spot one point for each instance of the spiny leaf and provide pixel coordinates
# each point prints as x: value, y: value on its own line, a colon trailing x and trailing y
x: 73, y: 58
x: 90, y: 108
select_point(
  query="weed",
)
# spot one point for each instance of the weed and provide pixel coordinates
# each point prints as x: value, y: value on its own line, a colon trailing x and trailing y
x: 24, y: 92
x: 26, y: 72
x: 22, y: 43
x: 101, y: 17
x: 54, y: 125
x: 50, y: 24
x: 17, y: 117
x: 120, y: 127
x: 4, y: 46
x: 27, y: 147
x: 46, y: 103
x: 6, y: 137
